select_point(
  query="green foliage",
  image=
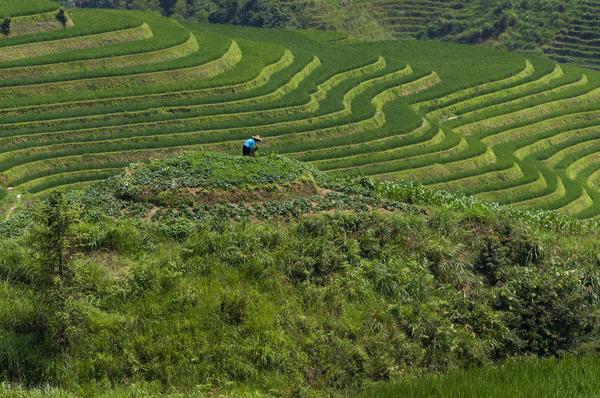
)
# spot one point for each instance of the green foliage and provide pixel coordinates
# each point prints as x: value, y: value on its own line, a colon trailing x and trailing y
x: 51, y: 238
x: 362, y: 277
x: 5, y: 26
x: 52, y: 241
x: 251, y: 13
x: 345, y: 286
x: 258, y: 13
x: 62, y: 16
x: 489, y: 261
x: 564, y: 321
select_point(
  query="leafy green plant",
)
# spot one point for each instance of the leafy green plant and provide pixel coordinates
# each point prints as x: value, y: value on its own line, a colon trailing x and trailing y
x: 490, y: 261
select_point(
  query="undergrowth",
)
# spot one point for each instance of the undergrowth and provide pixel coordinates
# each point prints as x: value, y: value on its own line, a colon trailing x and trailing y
x: 356, y: 282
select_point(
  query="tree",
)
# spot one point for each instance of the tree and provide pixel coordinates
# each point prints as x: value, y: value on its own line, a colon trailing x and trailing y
x: 62, y: 16
x: 199, y: 9
x: 167, y: 6
x: 144, y: 5
x: 252, y: 13
x: 51, y: 241
x: 5, y: 26
x: 226, y: 13
x: 52, y: 235
x: 180, y: 8
x: 261, y: 14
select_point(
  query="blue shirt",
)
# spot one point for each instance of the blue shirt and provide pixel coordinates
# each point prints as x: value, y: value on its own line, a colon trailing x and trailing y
x: 250, y: 143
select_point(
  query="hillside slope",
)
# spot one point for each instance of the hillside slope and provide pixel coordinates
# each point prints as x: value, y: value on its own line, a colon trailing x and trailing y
x: 217, y: 275
x: 567, y: 31
x: 81, y: 103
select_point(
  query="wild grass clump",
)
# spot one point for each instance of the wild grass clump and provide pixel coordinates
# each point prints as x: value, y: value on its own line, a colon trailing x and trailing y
x: 62, y: 17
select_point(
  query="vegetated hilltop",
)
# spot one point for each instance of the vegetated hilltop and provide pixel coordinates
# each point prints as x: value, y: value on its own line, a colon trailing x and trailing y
x: 211, y: 274
x: 80, y: 103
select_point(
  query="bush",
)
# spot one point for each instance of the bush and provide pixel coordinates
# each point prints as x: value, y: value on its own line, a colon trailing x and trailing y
x: 62, y: 16
x: 547, y: 310
x: 490, y: 261
x: 5, y: 26
x: 123, y: 237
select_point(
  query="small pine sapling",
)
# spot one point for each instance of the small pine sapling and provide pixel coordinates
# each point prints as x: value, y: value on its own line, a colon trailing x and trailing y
x: 51, y: 241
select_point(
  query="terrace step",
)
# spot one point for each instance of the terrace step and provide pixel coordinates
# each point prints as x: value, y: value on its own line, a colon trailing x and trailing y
x: 226, y: 62
x: 189, y: 47
x: 37, y: 49
x: 36, y: 23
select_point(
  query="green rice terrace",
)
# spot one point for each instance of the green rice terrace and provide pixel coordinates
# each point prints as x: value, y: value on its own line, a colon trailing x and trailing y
x: 81, y: 101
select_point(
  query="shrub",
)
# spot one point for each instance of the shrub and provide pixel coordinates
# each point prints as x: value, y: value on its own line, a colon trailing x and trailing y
x: 62, y: 16
x: 547, y: 309
x: 233, y: 308
x: 15, y: 266
x: 5, y: 26
x: 52, y: 236
x: 490, y: 261
x: 123, y: 237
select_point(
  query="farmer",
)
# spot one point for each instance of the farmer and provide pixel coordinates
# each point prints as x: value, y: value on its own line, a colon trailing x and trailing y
x: 251, y: 145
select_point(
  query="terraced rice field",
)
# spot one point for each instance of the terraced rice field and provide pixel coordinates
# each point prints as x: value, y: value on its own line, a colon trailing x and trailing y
x: 384, y: 19
x: 574, y: 39
x: 80, y: 103
x: 31, y: 16
x: 579, y: 41
x: 407, y: 18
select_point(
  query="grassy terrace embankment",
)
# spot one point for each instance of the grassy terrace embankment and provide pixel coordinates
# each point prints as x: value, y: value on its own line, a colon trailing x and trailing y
x: 579, y: 41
